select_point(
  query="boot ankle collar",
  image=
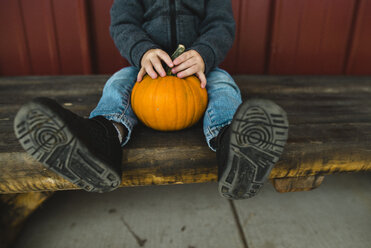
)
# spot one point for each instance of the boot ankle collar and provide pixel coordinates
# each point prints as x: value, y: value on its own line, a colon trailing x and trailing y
x: 221, y: 135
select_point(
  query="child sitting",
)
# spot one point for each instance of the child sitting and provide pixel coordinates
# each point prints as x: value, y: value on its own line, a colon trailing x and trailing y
x: 248, y: 137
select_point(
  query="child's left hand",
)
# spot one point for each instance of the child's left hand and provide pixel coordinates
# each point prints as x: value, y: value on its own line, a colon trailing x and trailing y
x: 190, y: 63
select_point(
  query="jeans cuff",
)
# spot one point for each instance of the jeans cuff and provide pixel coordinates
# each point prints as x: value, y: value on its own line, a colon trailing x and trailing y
x: 124, y: 120
x: 213, y: 133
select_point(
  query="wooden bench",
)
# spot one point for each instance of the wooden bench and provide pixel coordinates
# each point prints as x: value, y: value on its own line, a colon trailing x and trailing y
x: 330, y: 132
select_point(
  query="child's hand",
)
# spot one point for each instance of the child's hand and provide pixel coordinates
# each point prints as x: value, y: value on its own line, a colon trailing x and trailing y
x: 152, y: 59
x: 190, y: 63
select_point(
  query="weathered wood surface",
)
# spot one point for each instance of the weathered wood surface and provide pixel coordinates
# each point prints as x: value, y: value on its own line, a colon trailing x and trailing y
x: 330, y: 131
x: 14, y: 209
x: 293, y: 184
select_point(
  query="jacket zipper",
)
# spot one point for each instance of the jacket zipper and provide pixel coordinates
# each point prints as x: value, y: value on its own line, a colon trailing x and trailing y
x: 173, y: 25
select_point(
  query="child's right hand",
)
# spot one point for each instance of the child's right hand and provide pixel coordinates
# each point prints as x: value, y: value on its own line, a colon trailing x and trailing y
x: 152, y: 60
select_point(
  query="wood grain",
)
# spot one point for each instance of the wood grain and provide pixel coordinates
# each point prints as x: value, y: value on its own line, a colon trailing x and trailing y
x: 330, y: 131
x: 294, y: 184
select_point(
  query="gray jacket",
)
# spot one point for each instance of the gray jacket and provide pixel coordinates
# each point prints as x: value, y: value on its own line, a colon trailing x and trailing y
x: 206, y: 26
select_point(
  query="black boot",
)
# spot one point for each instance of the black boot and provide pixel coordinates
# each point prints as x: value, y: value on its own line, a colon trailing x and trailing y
x: 86, y: 152
x: 249, y: 147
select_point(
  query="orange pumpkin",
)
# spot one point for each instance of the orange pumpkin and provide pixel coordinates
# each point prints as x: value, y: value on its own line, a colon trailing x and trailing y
x: 169, y: 103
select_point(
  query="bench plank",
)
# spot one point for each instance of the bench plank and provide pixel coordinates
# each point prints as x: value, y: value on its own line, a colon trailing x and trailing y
x: 330, y: 131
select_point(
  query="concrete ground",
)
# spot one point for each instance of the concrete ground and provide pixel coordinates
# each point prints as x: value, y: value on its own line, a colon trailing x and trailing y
x: 336, y: 215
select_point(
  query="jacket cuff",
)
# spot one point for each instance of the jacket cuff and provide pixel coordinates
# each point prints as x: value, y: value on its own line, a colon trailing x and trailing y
x: 139, y: 50
x: 207, y: 55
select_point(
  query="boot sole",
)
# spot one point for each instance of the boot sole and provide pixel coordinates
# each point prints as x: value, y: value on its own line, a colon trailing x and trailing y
x: 49, y: 139
x: 259, y: 131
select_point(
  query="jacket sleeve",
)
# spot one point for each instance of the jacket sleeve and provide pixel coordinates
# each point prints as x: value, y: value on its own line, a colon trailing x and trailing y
x: 126, y: 30
x: 216, y: 33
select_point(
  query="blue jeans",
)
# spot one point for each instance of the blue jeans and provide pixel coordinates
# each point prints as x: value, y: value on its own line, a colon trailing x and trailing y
x: 223, y: 95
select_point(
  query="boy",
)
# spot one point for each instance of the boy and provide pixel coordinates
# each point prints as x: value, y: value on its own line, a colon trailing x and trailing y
x: 248, y: 138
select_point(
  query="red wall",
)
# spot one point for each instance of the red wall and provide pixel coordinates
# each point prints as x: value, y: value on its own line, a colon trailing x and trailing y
x: 63, y: 37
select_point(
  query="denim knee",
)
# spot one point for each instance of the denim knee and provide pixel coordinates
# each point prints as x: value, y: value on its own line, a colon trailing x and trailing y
x: 220, y: 79
x: 126, y: 72
x: 121, y: 78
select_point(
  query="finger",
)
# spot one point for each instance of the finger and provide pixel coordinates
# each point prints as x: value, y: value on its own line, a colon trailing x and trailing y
x: 149, y: 69
x: 156, y: 62
x: 166, y: 58
x: 185, y: 65
x: 202, y: 78
x: 188, y: 72
x: 140, y: 74
x: 183, y: 57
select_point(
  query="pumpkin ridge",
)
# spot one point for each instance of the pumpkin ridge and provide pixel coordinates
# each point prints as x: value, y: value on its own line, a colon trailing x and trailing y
x: 165, y: 124
x: 173, y: 83
x: 189, y: 90
x: 167, y: 101
x: 144, y: 111
x: 182, y: 100
x: 154, y: 101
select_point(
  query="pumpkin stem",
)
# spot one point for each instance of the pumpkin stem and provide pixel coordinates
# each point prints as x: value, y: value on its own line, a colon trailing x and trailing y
x: 176, y: 54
